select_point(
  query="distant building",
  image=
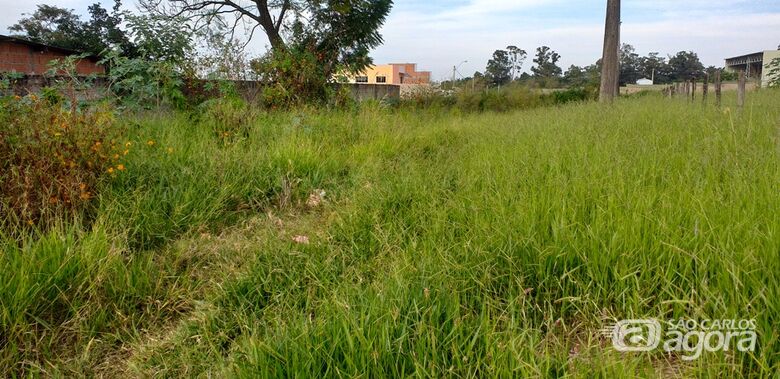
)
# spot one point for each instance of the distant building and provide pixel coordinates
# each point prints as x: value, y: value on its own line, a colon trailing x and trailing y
x: 32, y: 58
x: 394, y: 73
x: 644, y: 82
x: 754, y: 65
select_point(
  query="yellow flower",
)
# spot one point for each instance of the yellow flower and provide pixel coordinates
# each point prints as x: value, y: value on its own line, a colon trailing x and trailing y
x: 170, y: 150
x: 17, y: 97
x: 116, y: 156
x: 150, y: 142
x: 29, y: 222
x: 82, y: 186
x: 128, y: 144
x: 120, y: 167
x: 85, y: 196
x: 125, y: 152
x: 110, y: 170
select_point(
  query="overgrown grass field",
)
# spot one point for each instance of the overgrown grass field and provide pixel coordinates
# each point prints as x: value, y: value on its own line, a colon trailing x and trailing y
x: 446, y: 245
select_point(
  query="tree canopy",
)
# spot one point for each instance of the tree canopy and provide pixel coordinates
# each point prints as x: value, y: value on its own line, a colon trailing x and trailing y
x: 338, y: 33
x: 62, y: 27
x: 546, y: 63
x: 499, y: 68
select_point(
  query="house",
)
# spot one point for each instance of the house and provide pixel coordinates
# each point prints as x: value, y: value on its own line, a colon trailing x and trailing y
x: 393, y: 73
x: 755, y: 65
x: 33, y: 58
x: 644, y: 82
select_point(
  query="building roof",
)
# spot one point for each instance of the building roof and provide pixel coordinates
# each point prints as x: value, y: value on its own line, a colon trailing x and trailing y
x: 42, y: 46
x: 745, y: 55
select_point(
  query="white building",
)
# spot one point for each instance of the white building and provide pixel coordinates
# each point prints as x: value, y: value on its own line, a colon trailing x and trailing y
x: 644, y: 82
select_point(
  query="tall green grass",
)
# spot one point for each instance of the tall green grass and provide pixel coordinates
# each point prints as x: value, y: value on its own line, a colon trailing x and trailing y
x: 448, y: 245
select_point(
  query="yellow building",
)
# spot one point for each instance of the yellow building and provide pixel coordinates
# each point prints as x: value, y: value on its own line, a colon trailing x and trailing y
x: 393, y: 73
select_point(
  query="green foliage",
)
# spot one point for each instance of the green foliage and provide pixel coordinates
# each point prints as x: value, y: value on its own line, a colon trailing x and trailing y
x: 143, y: 83
x: 229, y: 117
x: 163, y: 39
x: 685, y: 65
x: 630, y: 65
x: 499, y: 69
x: 546, y: 61
x: 338, y: 34
x: 62, y: 27
x: 291, y: 77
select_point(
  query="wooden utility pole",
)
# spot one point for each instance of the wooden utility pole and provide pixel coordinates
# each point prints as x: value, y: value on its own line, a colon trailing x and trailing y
x: 610, y: 69
x: 718, y: 88
x: 705, y: 89
x: 741, y: 90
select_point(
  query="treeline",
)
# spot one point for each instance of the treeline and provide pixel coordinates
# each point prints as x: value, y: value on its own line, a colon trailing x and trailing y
x: 505, y: 67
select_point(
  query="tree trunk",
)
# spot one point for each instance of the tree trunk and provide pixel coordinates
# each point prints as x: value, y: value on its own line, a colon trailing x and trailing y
x: 610, y: 69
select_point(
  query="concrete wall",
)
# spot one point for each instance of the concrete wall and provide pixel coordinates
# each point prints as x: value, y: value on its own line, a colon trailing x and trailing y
x: 362, y: 92
x: 769, y: 56
x: 24, y: 59
x: 94, y: 88
x: 197, y: 90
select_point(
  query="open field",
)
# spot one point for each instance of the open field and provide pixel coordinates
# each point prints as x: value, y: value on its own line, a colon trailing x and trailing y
x: 446, y: 245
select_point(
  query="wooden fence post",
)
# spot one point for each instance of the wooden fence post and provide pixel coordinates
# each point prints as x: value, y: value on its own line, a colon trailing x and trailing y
x: 693, y: 90
x: 705, y: 89
x: 741, y: 90
x: 718, y: 88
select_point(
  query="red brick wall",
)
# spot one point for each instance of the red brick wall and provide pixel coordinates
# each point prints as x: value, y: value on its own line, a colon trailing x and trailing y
x: 26, y: 60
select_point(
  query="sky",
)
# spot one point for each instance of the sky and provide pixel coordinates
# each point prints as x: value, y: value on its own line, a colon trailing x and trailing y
x: 440, y: 34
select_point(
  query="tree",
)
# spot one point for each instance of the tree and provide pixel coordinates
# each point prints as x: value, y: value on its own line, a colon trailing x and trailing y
x: 61, y: 27
x: 51, y: 25
x: 654, y: 66
x: 546, y: 63
x: 518, y: 58
x: 499, y: 68
x: 685, y: 65
x: 629, y: 65
x: 337, y: 33
x: 575, y: 77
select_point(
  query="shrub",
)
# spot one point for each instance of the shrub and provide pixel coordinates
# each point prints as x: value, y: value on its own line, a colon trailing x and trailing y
x: 570, y: 95
x: 52, y: 159
x: 291, y: 77
x: 228, y: 117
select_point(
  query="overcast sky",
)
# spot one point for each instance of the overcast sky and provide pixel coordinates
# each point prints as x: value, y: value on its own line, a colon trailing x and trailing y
x: 438, y: 34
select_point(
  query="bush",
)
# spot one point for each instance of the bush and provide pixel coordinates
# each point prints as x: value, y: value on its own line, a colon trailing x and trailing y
x: 291, y: 77
x: 570, y: 95
x: 228, y: 117
x: 52, y: 159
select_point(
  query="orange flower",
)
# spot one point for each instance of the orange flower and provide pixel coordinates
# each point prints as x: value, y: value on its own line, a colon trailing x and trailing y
x: 85, y: 196
x: 82, y: 187
x: 120, y: 167
x: 116, y: 156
